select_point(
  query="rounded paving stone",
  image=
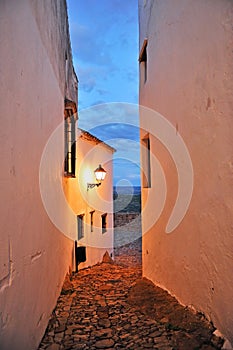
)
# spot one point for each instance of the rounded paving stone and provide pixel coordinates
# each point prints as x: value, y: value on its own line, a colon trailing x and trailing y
x: 104, y: 344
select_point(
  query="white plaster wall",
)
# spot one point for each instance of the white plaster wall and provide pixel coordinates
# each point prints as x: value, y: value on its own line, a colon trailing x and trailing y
x: 99, y: 199
x: 190, y: 82
x: 34, y: 255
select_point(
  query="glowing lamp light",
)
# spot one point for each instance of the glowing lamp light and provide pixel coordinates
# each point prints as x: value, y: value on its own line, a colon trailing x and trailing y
x: 100, y: 174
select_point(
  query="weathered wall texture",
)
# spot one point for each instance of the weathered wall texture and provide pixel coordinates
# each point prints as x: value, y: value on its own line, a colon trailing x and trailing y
x: 190, y: 82
x: 34, y: 255
x: 98, y: 199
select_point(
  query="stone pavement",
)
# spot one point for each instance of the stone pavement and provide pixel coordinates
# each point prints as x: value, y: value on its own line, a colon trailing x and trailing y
x: 110, y: 306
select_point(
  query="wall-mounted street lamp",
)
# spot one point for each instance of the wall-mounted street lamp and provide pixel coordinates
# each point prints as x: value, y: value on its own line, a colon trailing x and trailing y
x: 99, y: 175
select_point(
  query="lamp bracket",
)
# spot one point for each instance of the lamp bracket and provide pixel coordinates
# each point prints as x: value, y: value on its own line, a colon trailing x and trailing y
x: 93, y: 185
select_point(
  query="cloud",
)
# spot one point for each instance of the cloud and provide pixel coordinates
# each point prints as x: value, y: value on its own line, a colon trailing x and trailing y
x: 102, y: 91
x: 89, y: 85
x: 121, y: 8
x: 134, y: 176
x: 108, y: 113
x: 126, y: 149
x: 114, y: 131
x: 124, y: 169
x: 98, y: 102
x: 88, y: 78
x: 88, y: 47
x: 132, y: 75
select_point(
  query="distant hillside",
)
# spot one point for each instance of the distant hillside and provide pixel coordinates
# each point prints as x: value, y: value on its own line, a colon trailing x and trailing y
x: 127, y: 202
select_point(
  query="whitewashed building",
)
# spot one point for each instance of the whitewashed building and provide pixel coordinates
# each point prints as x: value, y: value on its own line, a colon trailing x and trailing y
x: 90, y: 200
x: 186, y: 75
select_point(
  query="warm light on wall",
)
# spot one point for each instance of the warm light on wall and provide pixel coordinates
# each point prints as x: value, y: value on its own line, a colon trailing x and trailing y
x: 99, y: 175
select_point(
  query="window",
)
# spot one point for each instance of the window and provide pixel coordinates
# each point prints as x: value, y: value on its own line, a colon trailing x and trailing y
x: 70, y: 138
x: 80, y: 221
x: 143, y: 62
x: 104, y: 223
x: 146, y: 168
x: 92, y: 219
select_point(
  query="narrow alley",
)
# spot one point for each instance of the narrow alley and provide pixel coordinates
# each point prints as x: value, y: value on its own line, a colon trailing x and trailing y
x: 110, y: 306
x: 116, y: 157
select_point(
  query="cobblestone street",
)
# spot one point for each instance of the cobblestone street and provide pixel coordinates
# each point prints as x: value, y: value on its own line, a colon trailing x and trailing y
x: 110, y: 306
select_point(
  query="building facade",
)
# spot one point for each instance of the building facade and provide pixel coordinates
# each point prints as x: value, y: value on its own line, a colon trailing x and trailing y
x: 37, y: 76
x: 186, y: 75
x: 93, y: 207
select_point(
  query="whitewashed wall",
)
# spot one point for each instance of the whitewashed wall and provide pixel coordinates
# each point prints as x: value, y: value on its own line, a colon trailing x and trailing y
x: 190, y: 82
x: 34, y: 255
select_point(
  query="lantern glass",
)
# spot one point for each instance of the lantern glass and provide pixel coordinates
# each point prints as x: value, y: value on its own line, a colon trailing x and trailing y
x: 100, y: 173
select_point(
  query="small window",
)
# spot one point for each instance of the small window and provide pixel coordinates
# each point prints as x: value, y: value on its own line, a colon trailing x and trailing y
x: 104, y: 223
x: 143, y: 61
x: 80, y: 221
x: 146, y: 167
x: 92, y: 219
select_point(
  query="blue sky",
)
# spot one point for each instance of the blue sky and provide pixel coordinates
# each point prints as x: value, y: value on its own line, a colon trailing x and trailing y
x: 104, y: 39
